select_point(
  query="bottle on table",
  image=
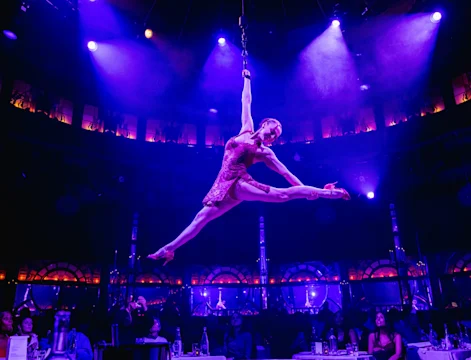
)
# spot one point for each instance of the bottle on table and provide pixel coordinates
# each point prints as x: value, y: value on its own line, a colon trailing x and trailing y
x: 466, y: 339
x: 355, y: 350
x: 432, y: 336
x: 177, y: 344
x: 73, y: 343
x: 204, y: 345
x: 332, y: 342
x: 447, y: 340
x: 316, y: 343
x: 60, y: 350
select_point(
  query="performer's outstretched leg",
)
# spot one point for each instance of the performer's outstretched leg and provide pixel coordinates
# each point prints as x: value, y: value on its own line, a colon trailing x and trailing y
x: 246, y: 192
x: 204, y: 216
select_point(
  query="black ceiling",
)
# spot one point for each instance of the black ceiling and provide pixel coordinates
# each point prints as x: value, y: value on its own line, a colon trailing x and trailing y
x: 49, y: 45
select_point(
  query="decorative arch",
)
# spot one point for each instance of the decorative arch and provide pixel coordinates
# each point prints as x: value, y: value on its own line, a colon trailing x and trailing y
x: 379, y: 269
x: 383, y: 269
x: 154, y: 277
x: 223, y: 275
x: 416, y: 270
x: 60, y: 271
x: 157, y: 277
x: 308, y: 272
x: 459, y: 263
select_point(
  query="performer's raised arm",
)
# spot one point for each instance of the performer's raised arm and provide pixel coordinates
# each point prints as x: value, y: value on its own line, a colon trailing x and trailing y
x: 276, y: 165
x: 247, y: 121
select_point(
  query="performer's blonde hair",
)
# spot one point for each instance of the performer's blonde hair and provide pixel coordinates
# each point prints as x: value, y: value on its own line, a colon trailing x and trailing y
x: 269, y: 120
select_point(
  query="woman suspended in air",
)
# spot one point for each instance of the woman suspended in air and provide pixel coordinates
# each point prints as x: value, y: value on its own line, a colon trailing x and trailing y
x: 234, y: 184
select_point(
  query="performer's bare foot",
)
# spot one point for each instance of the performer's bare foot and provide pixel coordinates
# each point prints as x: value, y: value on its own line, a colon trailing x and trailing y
x: 340, y: 191
x: 162, y: 253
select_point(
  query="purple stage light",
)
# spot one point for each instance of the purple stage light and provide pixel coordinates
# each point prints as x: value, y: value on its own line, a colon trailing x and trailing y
x: 10, y: 34
x: 92, y: 46
x: 335, y: 23
x: 213, y: 111
x: 436, y: 17
x: 370, y: 195
x: 221, y: 41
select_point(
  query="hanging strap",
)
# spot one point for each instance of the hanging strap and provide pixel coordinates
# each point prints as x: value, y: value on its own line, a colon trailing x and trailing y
x: 243, y: 27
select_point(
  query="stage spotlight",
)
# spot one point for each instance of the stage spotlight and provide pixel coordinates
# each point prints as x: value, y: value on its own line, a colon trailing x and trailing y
x: 148, y: 33
x: 10, y: 34
x: 222, y: 41
x: 335, y: 23
x: 436, y: 17
x: 213, y: 111
x: 92, y: 46
x: 370, y: 195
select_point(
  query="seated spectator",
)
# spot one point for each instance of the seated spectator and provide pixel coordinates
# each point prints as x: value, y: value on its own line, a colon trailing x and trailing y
x: 384, y: 343
x: 153, y: 336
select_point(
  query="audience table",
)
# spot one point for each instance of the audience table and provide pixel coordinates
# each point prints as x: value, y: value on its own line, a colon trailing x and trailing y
x: 191, y: 357
x: 456, y: 354
x: 309, y: 356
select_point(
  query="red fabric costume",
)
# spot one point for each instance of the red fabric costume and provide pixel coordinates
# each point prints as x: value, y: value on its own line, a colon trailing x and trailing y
x: 237, y: 159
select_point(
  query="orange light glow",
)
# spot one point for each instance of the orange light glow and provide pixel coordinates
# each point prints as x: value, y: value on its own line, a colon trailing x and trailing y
x: 272, y: 281
x: 148, y: 33
x: 179, y: 282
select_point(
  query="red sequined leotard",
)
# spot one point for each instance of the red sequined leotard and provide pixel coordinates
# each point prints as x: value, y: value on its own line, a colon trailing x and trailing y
x: 237, y: 158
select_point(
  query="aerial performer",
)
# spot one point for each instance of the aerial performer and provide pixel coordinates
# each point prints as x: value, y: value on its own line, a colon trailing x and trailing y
x: 234, y: 184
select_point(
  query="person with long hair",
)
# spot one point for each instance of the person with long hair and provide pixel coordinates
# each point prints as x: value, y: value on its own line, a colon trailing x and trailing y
x: 25, y: 328
x: 384, y: 343
x: 234, y: 184
x: 6, y: 330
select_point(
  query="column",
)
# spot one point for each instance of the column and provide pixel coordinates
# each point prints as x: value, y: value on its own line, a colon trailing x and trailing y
x: 345, y: 285
x: 378, y: 110
x: 434, y: 269
x: 263, y: 264
x: 446, y: 91
x: 132, y: 256
x: 141, y: 128
x: 77, y: 116
x: 400, y: 259
x: 201, y: 133
x: 317, y: 127
x: 105, y: 276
